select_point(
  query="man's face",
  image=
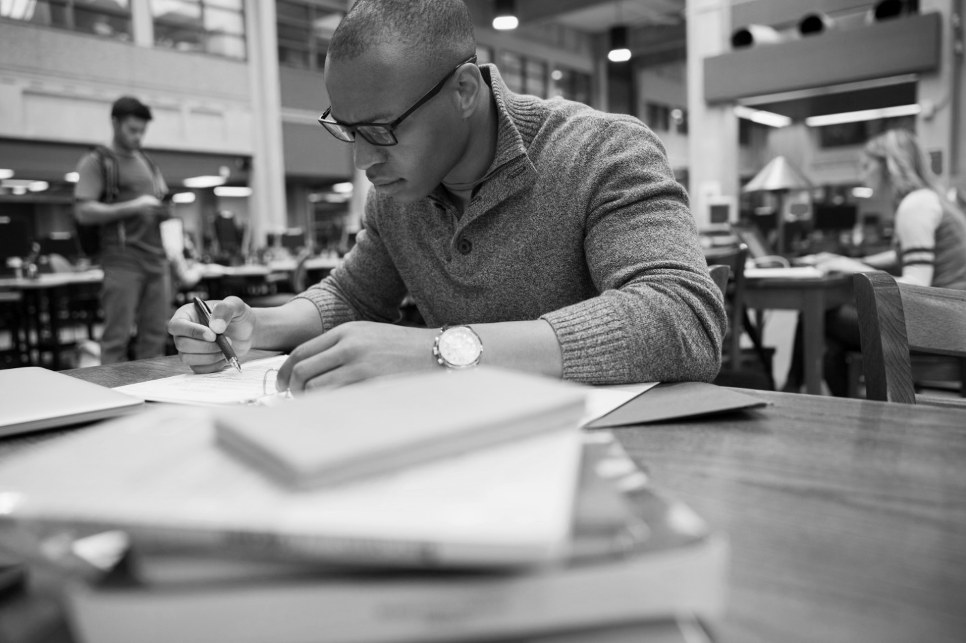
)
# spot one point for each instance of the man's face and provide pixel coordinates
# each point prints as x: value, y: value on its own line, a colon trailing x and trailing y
x: 380, y: 86
x: 129, y: 131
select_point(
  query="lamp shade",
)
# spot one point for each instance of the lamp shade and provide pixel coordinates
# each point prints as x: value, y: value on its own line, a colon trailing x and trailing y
x: 778, y: 174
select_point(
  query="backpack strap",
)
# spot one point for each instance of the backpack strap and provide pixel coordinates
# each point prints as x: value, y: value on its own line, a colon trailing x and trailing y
x: 109, y: 173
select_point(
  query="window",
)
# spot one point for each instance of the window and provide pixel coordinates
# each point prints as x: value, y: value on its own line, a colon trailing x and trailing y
x: 304, y: 32
x: 658, y: 117
x: 511, y: 69
x: 571, y: 85
x: 105, y: 18
x: 484, y: 55
x: 208, y: 26
x: 524, y: 75
x: 680, y: 118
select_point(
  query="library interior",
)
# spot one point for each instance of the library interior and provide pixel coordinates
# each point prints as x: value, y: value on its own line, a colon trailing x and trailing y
x: 397, y: 321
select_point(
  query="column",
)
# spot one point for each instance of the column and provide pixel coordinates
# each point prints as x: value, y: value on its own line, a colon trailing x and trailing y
x: 268, y: 166
x: 142, y: 23
x: 712, y: 129
x: 935, y: 124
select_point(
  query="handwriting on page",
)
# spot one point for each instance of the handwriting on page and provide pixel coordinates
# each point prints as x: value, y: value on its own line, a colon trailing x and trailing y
x: 228, y: 386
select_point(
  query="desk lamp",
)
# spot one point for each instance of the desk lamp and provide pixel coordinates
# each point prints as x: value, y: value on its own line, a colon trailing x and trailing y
x: 778, y: 176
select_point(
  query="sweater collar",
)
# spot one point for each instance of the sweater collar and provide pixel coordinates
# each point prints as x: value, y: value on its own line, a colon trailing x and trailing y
x: 517, y: 124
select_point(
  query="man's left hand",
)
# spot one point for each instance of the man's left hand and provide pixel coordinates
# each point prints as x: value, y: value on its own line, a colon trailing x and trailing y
x: 354, y: 352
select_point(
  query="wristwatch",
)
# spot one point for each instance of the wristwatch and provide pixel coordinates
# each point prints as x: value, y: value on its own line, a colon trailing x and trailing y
x: 457, y: 347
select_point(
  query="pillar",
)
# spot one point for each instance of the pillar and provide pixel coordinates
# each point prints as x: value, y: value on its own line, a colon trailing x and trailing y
x: 712, y: 129
x: 267, y: 178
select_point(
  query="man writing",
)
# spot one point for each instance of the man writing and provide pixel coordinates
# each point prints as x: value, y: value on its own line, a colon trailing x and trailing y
x: 119, y: 190
x: 536, y: 235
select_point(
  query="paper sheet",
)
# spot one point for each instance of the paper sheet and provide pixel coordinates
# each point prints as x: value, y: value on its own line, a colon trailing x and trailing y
x: 227, y: 386
x: 602, y: 400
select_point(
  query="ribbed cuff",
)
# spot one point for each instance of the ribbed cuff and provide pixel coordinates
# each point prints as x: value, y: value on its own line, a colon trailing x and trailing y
x: 333, y: 310
x: 593, y: 342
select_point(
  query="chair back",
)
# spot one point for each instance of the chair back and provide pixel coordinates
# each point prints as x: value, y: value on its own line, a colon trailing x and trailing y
x: 895, y: 318
x: 719, y: 275
x: 300, y: 273
x: 734, y: 258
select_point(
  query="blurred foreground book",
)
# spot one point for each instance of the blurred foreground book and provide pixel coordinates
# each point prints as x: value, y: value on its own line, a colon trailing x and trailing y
x: 643, y: 561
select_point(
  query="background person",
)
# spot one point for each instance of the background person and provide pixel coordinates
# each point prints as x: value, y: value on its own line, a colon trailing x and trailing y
x: 556, y: 233
x: 930, y: 246
x: 135, y: 294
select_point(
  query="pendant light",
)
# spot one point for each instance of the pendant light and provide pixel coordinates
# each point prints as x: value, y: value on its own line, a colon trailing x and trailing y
x: 619, y: 52
x: 506, y: 15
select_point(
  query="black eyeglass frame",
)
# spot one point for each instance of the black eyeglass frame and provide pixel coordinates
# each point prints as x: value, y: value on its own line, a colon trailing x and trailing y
x: 389, y: 128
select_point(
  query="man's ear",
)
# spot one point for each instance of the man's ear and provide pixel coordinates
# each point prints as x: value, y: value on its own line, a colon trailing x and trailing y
x: 470, y: 86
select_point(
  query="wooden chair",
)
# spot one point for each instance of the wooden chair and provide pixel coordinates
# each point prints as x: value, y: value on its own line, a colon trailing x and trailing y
x: 895, y: 318
x: 719, y: 275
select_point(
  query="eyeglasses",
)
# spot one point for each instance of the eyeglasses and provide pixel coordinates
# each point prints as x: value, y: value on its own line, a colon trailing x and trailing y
x: 381, y: 134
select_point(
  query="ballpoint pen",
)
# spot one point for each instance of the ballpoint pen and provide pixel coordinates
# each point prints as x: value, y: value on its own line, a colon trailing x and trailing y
x: 205, y: 314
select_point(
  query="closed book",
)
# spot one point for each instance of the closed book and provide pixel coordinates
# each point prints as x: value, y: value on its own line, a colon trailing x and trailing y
x: 387, y: 424
x: 161, y: 478
x: 674, y: 566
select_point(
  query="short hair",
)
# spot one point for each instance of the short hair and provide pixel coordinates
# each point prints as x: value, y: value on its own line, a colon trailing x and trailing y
x: 130, y: 106
x: 906, y: 164
x: 438, y: 30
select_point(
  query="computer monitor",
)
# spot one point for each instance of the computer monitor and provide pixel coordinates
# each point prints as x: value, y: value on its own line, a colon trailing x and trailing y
x: 15, y: 239
x: 829, y: 218
x: 293, y: 240
x: 228, y: 235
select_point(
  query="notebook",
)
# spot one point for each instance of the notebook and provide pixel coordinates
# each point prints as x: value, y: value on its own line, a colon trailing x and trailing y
x: 390, y: 423
x: 36, y: 398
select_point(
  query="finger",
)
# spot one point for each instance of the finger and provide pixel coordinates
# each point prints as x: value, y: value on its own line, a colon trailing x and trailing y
x: 209, y: 368
x: 206, y: 359
x: 195, y: 346
x: 184, y: 323
x: 224, y: 312
x: 336, y: 378
x: 302, y: 352
x: 312, y: 367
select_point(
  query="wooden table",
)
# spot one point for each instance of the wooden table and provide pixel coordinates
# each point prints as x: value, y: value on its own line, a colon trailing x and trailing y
x: 812, y: 296
x: 847, y: 518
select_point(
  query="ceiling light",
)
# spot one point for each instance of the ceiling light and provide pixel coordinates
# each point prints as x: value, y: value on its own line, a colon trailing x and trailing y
x: 184, y: 197
x: 619, y: 52
x: 6, y: 174
x: 38, y: 186
x: 342, y: 188
x: 203, y: 181
x: 862, y: 193
x: 230, y: 191
x: 770, y: 119
x: 506, y: 15
x: 72, y: 177
x: 556, y: 74
x: 19, y: 190
x: 863, y: 115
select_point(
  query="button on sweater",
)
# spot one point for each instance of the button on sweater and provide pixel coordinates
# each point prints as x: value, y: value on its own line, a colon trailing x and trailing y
x: 579, y: 223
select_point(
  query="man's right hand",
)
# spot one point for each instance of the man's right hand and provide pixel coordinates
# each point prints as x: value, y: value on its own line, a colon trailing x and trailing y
x: 148, y: 205
x: 196, y: 342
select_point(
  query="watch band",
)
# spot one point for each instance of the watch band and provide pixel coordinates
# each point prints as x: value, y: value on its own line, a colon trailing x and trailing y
x: 464, y: 352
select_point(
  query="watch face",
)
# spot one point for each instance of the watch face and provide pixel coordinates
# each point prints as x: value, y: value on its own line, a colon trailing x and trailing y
x: 460, y: 347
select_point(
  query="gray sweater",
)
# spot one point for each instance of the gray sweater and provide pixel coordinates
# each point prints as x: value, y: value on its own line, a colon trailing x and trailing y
x: 579, y: 222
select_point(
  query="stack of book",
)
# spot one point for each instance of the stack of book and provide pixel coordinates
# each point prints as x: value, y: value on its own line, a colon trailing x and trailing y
x: 434, y: 508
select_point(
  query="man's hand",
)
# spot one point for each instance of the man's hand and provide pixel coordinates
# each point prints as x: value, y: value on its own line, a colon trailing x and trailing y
x: 354, y: 352
x: 196, y: 342
x: 148, y: 205
x: 836, y: 263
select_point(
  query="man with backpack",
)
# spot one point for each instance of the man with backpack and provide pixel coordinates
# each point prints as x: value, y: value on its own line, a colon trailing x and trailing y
x: 118, y: 199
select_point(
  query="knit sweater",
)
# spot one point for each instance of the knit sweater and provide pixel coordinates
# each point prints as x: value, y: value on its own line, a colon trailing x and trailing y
x: 579, y: 222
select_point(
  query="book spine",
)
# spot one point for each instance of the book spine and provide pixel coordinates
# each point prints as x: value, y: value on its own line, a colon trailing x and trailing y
x: 686, y: 581
x: 313, y: 548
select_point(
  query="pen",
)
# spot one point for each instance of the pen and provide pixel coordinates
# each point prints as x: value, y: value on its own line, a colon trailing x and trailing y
x: 205, y: 314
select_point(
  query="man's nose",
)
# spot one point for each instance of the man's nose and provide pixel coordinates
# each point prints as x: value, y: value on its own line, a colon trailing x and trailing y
x: 365, y: 154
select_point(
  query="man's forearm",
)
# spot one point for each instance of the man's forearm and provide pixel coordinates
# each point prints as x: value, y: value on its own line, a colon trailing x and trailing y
x: 524, y: 346
x: 97, y: 213
x: 285, y: 327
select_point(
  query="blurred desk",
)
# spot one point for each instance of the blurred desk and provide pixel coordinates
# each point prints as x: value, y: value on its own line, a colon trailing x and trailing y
x: 846, y: 517
x: 40, y: 310
x: 812, y: 296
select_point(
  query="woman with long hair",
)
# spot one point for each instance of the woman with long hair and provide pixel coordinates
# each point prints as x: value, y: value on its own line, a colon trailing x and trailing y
x: 929, y: 248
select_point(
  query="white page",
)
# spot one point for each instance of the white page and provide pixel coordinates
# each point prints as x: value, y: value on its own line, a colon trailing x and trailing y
x: 601, y: 400
x: 227, y: 386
